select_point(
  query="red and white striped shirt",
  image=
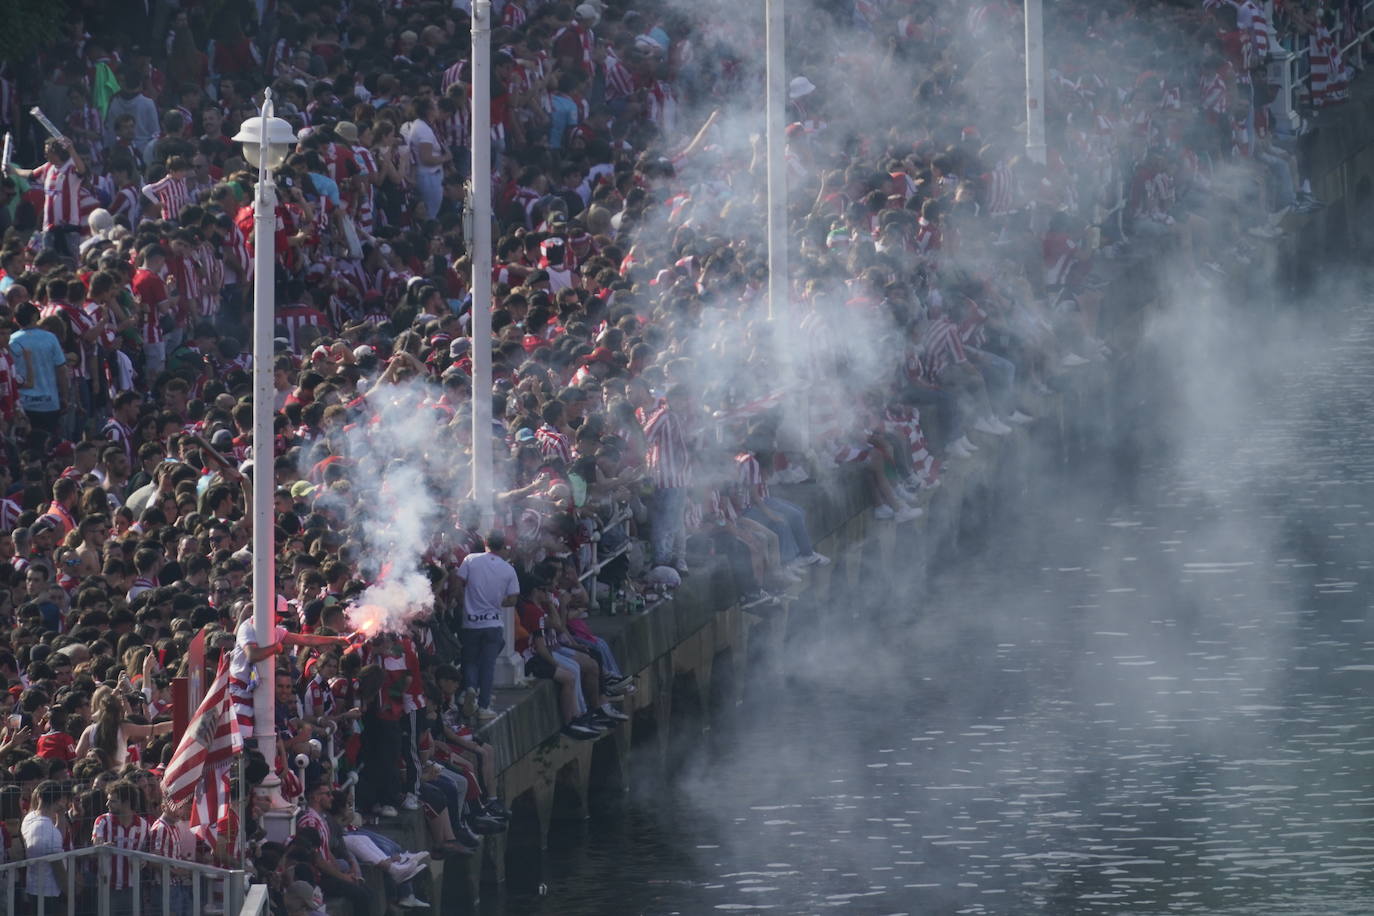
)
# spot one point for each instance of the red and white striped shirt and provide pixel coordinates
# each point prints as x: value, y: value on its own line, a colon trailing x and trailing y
x: 61, y: 194
x: 107, y: 831
x: 78, y: 323
x: 312, y: 818
x: 620, y: 82
x: 513, y: 16
x: 170, y: 193
x: 668, y: 456
x: 9, y: 514
x: 1330, y: 78
x: 172, y: 841
x: 941, y: 347
x: 453, y: 75
x: 9, y: 386
x: 120, y: 435
x: 553, y: 444
x: 296, y: 317
x: 367, y: 167
x: 127, y: 203
x: 752, y: 485
x: 212, y: 270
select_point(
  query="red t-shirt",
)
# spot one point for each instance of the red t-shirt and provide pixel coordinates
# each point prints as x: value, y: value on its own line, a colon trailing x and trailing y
x: 152, y: 292
x: 57, y: 746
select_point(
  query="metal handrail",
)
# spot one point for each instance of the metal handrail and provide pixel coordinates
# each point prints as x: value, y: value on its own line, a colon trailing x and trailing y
x: 257, y: 903
x: 227, y: 886
x: 1292, y: 79
x: 598, y: 562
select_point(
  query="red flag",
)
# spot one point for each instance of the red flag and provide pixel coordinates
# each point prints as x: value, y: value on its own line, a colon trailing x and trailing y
x: 200, y: 766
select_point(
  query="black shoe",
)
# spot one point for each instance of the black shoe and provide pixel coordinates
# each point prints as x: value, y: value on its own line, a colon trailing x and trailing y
x: 495, y: 809
x: 580, y: 732
x: 483, y: 825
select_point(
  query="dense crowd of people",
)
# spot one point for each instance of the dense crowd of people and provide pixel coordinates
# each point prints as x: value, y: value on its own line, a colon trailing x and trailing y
x: 645, y: 410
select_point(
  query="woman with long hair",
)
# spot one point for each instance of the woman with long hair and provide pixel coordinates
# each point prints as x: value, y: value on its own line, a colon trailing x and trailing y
x: 111, y: 732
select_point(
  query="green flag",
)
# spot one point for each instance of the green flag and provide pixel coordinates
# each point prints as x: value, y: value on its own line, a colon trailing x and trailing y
x: 104, y: 86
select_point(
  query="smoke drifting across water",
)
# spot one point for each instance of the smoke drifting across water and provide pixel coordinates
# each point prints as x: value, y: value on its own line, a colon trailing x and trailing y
x: 1213, y: 393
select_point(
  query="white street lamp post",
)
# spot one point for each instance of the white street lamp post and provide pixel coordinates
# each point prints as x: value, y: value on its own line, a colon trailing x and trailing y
x: 1035, y: 81
x: 778, y: 286
x: 266, y: 141
x: 508, y: 664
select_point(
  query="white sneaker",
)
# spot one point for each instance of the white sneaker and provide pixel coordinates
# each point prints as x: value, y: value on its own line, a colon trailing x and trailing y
x: 813, y: 558
x: 967, y: 443
x: 1073, y: 360
x: 1019, y: 418
x: 413, y: 902
x: 910, y: 513
x: 884, y: 513
x: 487, y: 714
x: 386, y: 811
x: 403, y: 871
x: 411, y: 802
x: 991, y: 427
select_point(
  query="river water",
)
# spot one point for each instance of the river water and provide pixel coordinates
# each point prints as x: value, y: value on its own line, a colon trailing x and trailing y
x: 1146, y: 694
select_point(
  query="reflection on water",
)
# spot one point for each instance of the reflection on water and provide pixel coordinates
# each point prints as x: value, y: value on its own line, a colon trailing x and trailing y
x: 1158, y: 706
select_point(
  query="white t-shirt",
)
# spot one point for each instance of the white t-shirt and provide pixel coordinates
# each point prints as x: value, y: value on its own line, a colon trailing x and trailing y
x: 240, y: 667
x: 490, y: 580
x: 415, y: 133
x: 41, y: 838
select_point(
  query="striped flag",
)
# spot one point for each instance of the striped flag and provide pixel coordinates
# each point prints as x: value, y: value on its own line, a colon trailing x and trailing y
x: 200, y: 767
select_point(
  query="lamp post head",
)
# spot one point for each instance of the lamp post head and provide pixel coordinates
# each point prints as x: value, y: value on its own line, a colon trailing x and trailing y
x: 265, y: 137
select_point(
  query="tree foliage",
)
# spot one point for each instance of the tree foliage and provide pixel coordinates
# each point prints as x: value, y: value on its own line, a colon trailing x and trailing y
x: 28, y: 25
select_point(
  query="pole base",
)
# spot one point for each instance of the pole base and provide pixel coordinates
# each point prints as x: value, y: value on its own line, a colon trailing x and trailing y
x: 279, y: 820
x: 510, y: 671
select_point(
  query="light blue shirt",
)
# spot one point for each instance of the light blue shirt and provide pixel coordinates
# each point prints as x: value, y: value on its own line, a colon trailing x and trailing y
x: 565, y: 115
x: 38, y: 350
x: 325, y: 187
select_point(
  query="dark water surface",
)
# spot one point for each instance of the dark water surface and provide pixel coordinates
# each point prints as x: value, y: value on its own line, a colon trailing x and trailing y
x: 1152, y: 695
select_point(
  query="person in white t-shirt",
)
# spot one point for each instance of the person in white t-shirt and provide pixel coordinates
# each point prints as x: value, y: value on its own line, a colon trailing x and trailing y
x: 488, y: 588
x: 429, y: 156
x: 42, y: 837
x: 248, y: 651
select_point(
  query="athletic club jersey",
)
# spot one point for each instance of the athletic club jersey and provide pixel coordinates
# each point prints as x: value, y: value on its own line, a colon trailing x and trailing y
x: 107, y: 831
x: 170, y: 193
x: 61, y: 194
x: 172, y: 841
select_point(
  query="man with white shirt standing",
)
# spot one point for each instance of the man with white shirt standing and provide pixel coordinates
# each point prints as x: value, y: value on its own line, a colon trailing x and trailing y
x: 488, y: 587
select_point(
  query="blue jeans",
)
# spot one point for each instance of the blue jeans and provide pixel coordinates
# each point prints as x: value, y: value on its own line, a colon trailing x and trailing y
x: 565, y: 659
x: 389, y: 848
x: 1280, y: 179
x: 998, y: 374
x: 431, y: 191
x: 666, y: 519
x: 796, y: 521
x: 601, y: 651
x: 481, y: 647
x: 178, y: 901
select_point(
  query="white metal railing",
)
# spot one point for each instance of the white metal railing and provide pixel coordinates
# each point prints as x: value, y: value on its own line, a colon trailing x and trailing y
x: 162, y: 886
x: 1293, y: 70
x: 256, y: 903
x: 597, y: 561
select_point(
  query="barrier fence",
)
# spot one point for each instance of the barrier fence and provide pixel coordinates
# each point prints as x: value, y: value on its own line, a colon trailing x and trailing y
x: 158, y: 886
